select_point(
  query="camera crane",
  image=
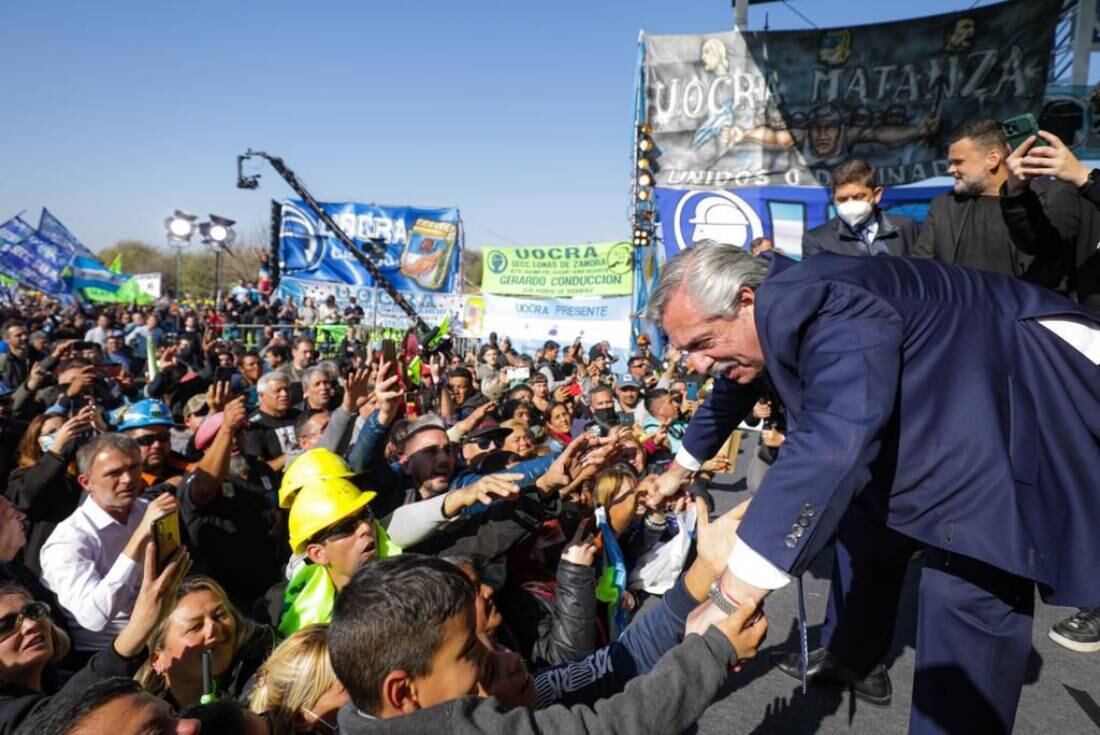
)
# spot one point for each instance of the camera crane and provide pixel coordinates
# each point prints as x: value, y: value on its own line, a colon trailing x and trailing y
x: 431, y: 339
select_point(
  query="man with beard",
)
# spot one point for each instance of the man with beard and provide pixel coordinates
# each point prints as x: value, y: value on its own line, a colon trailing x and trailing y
x: 966, y: 226
x: 149, y: 423
x: 234, y: 532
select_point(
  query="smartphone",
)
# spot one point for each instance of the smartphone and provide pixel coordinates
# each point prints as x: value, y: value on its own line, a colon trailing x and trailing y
x: 693, y: 391
x: 575, y: 389
x: 224, y: 374
x: 166, y: 537
x: 108, y: 370
x: 523, y: 373
x: 389, y: 352
x: 1018, y: 129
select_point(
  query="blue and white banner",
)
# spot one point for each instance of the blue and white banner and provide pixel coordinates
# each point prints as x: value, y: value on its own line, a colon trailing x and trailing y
x: 530, y: 322
x: 782, y: 213
x: 50, y: 227
x: 420, y: 253
x: 31, y: 259
x: 378, y: 308
x: 87, y: 272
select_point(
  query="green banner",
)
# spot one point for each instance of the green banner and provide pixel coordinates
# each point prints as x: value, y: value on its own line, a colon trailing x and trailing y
x: 603, y: 269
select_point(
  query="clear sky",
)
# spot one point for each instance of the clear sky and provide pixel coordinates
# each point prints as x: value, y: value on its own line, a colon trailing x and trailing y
x: 517, y: 112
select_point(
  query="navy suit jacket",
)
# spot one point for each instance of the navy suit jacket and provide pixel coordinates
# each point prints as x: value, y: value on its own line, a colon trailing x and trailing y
x: 896, y: 233
x: 926, y: 393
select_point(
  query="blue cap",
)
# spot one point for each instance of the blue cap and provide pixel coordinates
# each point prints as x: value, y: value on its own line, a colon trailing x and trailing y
x: 146, y: 412
x: 629, y: 381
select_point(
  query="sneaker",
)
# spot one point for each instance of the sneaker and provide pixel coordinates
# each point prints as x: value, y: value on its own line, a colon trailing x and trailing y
x: 1079, y: 632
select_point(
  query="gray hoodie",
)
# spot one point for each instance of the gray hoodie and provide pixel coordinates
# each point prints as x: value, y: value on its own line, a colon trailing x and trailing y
x: 667, y: 700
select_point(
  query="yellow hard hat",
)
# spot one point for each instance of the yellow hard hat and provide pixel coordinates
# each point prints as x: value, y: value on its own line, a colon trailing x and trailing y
x: 321, y: 503
x: 312, y: 465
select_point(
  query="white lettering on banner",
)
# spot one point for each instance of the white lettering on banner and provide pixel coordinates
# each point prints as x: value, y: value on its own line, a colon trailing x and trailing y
x: 367, y: 227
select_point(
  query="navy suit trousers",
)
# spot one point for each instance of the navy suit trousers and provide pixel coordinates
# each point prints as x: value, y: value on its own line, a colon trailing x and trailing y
x: 973, y: 627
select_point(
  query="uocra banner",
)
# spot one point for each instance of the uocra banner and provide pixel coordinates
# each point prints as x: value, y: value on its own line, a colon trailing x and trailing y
x: 731, y: 110
x: 604, y: 269
x: 420, y: 247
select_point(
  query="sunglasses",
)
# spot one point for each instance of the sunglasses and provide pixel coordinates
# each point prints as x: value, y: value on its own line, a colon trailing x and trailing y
x: 344, y: 528
x: 12, y: 622
x: 150, y: 439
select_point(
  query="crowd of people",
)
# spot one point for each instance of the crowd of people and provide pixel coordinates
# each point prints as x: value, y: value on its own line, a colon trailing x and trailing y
x: 270, y: 532
x: 355, y: 526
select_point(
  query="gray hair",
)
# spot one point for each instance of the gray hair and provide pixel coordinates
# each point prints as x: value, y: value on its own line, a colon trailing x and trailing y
x: 713, y: 273
x: 267, y: 379
x: 309, y: 372
x: 85, y: 457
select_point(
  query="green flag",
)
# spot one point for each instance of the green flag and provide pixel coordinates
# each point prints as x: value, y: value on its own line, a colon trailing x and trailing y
x: 116, y: 264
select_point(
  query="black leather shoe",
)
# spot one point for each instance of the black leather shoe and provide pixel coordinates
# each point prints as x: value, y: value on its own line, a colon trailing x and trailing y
x: 875, y: 688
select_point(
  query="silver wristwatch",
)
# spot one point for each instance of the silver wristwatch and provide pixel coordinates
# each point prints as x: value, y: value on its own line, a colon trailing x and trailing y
x: 720, y: 600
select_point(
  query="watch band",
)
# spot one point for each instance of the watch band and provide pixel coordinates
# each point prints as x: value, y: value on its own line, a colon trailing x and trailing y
x: 723, y: 603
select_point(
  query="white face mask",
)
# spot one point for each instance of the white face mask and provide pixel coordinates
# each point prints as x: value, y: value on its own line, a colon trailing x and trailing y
x: 854, y: 212
x: 46, y: 441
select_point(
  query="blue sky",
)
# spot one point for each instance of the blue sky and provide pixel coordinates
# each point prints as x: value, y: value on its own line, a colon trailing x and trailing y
x: 517, y: 112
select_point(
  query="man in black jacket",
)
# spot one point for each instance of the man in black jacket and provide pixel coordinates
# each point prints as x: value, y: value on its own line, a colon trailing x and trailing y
x: 860, y: 227
x: 1059, y: 215
x: 966, y: 227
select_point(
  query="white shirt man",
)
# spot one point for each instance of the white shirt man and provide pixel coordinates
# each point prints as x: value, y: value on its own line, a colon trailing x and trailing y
x: 92, y: 560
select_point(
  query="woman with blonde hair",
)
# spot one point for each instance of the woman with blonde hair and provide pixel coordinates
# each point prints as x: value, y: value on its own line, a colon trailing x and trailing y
x: 202, y: 618
x: 30, y: 643
x: 296, y: 685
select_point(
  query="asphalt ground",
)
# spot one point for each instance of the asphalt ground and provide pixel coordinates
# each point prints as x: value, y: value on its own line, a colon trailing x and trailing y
x: 1062, y: 694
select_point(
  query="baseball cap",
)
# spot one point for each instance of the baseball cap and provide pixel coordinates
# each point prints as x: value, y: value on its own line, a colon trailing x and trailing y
x: 196, y: 406
x: 629, y: 381
x: 204, y: 437
x: 422, y: 423
x: 489, y: 432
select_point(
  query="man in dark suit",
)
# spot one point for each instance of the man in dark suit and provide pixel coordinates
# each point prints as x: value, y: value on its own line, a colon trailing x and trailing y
x: 913, y: 392
x: 965, y: 226
x: 860, y: 227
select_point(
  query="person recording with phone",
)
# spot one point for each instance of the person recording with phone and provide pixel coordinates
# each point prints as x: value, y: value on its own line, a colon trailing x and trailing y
x: 93, y: 560
x: 1051, y: 202
x: 966, y: 226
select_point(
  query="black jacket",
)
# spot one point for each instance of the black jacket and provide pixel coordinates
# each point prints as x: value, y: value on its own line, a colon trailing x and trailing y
x: 941, y: 239
x: 48, y: 495
x: 896, y: 233
x: 18, y: 705
x: 1053, y: 217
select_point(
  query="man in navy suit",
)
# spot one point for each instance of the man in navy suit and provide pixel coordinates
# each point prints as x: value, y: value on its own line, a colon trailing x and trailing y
x: 860, y: 227
x: 914, y: 392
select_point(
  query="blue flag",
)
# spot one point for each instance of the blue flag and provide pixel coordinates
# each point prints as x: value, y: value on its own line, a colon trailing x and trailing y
x: 31, y: 259
x: 87, y: 272
x: 50, y: 227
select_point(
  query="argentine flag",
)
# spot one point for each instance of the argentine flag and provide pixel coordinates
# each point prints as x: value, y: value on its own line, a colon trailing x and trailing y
x: 87, y: 272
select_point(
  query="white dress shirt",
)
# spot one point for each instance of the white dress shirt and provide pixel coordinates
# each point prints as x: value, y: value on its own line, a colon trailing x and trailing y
x: 96, y: 584
x: 752, y: 568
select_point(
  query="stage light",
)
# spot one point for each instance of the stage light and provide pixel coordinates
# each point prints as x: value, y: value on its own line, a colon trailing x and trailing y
x: 643, y: 194
x: 644, y: 163
x: 180, y: 226
x: 645, y: 144
x: 645, y: 180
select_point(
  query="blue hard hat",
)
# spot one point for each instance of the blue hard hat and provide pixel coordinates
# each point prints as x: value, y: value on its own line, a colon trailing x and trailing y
x: 144, y: 413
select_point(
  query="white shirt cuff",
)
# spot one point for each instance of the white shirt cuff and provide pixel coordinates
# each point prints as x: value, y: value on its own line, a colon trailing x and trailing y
x: 1083, y: 337
x: 685, y: 460
x: 755, y: 570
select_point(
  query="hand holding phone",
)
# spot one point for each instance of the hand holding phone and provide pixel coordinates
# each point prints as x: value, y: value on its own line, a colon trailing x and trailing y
x: 166, y: 537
